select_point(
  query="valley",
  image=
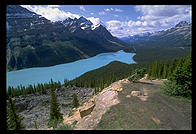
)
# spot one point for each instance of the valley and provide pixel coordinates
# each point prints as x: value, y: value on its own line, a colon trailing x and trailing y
x: 98, y: 67
x: 67, y: 71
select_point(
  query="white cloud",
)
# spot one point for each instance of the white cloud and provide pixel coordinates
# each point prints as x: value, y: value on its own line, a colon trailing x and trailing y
x: 54, y: 14
x: 102, y: 13
x: 53, y: 6
x: 118, y: 10
x: 51, y: 12
x: 82, y: 8
x: 153, y: 18
x: 165, y: 15
x: 92, y: 13
x: 107, y: 9
x: 113, y: 9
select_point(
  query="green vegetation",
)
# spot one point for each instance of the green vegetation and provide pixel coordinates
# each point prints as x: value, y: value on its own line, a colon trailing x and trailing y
x: 14, y: 120
x: 104, y: 76
x: 137, y: 74
x: 148, y: 54
x: 35, y: 125
x: 179, y: 74
x: 75, y: 101
x: 134, y: 114
x: 41, y: 88
x: 55, y: 116
x: 180, y: 83
x: 162, y: 69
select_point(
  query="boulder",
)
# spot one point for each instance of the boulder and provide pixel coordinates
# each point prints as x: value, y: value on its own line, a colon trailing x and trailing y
x: 86, y: 109
x: 135, y: 93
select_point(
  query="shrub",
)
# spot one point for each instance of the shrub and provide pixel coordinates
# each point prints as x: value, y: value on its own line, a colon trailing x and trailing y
x: 137, y: 74
x: 173, y: 89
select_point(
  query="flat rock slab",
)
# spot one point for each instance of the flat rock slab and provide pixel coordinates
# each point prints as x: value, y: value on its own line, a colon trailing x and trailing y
x: 92, y: 111
x: 86, y: 109
x: 102, y: 103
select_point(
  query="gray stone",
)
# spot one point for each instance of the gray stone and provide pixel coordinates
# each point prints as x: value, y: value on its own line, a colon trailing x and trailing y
x: 36, y: 107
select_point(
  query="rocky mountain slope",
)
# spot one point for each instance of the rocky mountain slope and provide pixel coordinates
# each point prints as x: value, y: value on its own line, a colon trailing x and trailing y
x: 34, y: 41
x: 178, y: 36
x: 35, y: 108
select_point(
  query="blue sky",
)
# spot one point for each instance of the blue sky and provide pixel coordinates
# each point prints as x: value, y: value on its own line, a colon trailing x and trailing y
x: 120, y: 20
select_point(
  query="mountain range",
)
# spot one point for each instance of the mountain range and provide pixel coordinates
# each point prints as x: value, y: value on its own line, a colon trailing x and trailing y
x: 34, y: 41
x: 178, y: 36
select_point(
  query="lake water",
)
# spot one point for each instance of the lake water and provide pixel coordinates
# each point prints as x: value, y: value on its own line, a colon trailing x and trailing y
x: 68, y: 70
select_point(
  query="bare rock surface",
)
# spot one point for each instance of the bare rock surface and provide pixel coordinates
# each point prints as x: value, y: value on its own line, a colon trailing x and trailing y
x: 102, y: 102
x: 86, y: 109
x: 35, y: 108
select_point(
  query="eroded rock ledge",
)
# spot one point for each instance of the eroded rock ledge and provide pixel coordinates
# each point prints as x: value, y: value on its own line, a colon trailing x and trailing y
x: 89, y: 115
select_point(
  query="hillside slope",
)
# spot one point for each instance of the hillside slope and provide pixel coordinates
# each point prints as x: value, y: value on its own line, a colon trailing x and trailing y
x: 131, y: 106
x: 151, y: 110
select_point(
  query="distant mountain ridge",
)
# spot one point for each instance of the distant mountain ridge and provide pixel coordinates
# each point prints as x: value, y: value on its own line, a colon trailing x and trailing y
x: 178, y: 36
x: 34, y: 41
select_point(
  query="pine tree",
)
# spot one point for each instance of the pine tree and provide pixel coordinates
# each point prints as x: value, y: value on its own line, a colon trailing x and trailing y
x: 177, y: 75
x: 75, y: 101
x: 187, y: 72
x: 180, y: 83
x: 55, y: 115
x: 165, y: 69
x: 14, y: 121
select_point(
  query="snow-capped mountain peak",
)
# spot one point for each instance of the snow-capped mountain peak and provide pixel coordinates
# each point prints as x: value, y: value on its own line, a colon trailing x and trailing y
x: 82, y: 23
x: 182, y: 24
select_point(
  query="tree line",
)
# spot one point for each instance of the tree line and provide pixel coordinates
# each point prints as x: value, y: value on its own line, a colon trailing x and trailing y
x: 104, y: 76
x: 32, y: 89
x: 162, y: 69
x: 180, y: 81
x: 179, y: 75
x: 14, y: 120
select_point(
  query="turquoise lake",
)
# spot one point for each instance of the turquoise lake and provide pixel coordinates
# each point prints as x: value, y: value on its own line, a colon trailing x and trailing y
x: 68, y: 70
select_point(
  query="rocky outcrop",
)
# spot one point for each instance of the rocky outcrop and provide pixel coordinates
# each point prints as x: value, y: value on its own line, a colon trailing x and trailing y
x: 35, y: 108
x: 86, y: 109
x: 102, y: 103
x: 99, y: 104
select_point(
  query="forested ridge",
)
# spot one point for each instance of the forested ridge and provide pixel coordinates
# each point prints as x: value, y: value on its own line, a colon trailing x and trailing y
x: 102, y: 77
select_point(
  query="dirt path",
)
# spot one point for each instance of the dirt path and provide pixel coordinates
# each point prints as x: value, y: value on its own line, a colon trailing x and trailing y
x: 140, y: 105
x: 150, y: 110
